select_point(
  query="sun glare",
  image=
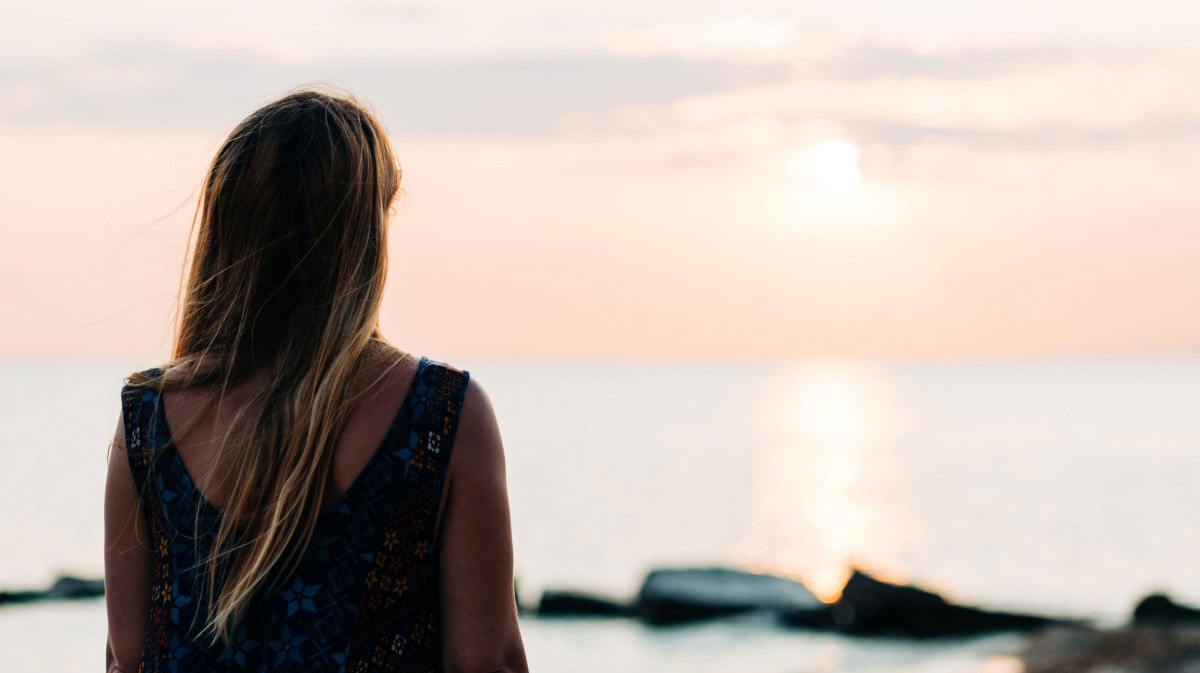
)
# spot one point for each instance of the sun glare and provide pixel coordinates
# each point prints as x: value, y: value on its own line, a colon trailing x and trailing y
x: 824, y: 492
x: 834, y: 165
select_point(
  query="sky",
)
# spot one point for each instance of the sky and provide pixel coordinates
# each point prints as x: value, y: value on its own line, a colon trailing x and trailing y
x: 635, y: 180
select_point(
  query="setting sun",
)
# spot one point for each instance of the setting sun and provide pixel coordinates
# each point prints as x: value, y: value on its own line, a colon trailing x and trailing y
x: 834, y: 165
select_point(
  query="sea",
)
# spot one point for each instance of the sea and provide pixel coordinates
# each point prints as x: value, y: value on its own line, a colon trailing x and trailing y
x: 1058, y: 486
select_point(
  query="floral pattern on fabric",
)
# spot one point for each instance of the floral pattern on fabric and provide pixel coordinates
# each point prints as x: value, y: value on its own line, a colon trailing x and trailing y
x: 364, y: 597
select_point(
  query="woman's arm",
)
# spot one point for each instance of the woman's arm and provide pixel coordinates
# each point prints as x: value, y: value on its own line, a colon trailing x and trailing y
x: 480, y: 633
x: 128, y: 563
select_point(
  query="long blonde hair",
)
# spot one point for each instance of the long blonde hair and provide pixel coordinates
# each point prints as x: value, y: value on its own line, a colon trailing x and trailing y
x: 287, y: 274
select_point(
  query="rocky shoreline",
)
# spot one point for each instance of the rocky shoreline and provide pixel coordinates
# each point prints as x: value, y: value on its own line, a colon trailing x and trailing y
x: 866, y: 607
x: 1162, y: 636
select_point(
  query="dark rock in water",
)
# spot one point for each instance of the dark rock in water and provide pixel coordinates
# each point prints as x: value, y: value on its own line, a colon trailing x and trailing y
x: 1132, y: 649
x: 21, y: 596
x: 575, y: 604
x: 819, y: 619
x: 75, y: 587
x: 1160, y: 609
x: 871, y: 607
x: 673, y: 596
x: 63, y: 587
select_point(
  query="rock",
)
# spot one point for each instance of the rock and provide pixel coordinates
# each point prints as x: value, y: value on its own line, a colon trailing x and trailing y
x: 576, y: 604
x: 63, y: 587
x: 1160, y: 609
x: 672, y: 596
x: 22, y: 596
x: 75, y: 587
x: 1132, y: 649
x: 871, y: 607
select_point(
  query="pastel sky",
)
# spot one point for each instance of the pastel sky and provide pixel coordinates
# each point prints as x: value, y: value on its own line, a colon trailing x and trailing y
x: 628, y: 179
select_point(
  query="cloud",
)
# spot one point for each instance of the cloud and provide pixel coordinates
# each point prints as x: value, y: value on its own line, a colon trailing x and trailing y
x: 899, y: 83
x: 1018, y: 96
x: 881, y: 60
x: 737, y: 38
x: 149, y: 86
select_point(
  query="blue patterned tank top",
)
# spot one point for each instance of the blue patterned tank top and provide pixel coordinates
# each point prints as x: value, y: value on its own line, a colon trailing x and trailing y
x: 364, y: 597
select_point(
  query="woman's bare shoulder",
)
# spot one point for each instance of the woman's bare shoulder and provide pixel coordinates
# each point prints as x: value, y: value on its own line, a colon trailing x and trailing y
x: 478, y: 447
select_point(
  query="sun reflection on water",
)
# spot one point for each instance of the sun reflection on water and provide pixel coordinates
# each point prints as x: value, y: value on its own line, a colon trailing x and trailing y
x: 823, y: 482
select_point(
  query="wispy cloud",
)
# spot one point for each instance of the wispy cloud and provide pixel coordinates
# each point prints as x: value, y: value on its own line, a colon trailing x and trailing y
x: 1018, y: 93
x: 145, y: 86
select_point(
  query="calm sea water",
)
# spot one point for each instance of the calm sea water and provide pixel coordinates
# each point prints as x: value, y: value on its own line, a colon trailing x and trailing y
x: 1065, y: 487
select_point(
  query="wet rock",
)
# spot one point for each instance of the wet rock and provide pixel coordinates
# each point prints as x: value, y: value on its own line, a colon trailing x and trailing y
x: 673, y: 596
x: 1160, y: 609
x: 577, y: 604
x: 869, y: 606
x: 64, y: 587
x: 75, y: 587
x: 1132, y: 649
x: 7, y: 597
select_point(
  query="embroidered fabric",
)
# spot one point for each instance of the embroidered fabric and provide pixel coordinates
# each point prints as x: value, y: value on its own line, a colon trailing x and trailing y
x: 364, y: 598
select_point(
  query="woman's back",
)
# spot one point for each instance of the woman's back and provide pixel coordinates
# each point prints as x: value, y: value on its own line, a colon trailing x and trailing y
x: 365, y: 594
x: 366, y: 427
x: 275, y: 490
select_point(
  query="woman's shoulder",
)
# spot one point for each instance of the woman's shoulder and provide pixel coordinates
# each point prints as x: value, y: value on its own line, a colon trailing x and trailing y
x: 143, y: 378
x: 477, y: 435
x: 478, y: 448
x: 166, y: 375
x: 431, y: 369
x: 461, y: 383
x: 449, y: 365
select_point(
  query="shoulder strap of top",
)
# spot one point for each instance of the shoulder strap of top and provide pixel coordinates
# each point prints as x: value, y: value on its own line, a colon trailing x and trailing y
x: 450, y: 392
x: 440, y: 390
x: 139, y: 408
x: 397, y: 629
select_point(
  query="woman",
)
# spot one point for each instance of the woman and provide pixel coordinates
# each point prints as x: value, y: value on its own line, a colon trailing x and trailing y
x: 290, y: 492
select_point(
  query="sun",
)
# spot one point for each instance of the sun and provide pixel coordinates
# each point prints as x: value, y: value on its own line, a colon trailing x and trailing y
x: 834, y: 165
